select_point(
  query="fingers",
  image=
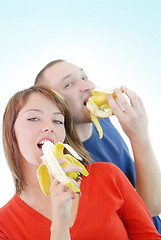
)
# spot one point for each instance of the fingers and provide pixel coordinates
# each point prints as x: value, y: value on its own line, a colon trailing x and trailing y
x: 115, y: 105
x: 133, y: 97
x: 130, y: 111
x: 136, y: 102
x: 61, y: 160
x: 126, y: 102
x: 58, y: 189
x: 71, y: 168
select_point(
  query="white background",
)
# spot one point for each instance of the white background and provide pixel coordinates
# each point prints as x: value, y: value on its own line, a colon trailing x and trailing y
x: 116, y: 42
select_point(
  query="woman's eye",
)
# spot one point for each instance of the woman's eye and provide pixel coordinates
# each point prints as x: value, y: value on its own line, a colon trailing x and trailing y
x: 58, y: 121
x: 33, y: 119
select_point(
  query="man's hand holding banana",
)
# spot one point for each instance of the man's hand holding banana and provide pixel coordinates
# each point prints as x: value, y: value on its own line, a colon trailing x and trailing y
x: 130, y: 111
x: 122, y: 103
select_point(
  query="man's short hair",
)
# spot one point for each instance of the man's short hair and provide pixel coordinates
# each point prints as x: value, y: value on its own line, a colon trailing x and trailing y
x: 40, y: 76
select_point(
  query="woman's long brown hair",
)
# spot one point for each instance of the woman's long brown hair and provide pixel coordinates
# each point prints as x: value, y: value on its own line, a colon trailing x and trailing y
x: 12, y: 152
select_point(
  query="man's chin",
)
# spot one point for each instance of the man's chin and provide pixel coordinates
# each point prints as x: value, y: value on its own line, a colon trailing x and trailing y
x: 82, y: 117
x: 79, y: 120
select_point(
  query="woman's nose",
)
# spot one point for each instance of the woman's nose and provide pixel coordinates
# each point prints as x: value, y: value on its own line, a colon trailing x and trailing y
x: 48, y: 127
x: 48, y: 130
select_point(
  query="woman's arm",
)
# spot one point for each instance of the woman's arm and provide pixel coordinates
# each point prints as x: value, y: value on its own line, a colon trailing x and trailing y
x: 61, y: 202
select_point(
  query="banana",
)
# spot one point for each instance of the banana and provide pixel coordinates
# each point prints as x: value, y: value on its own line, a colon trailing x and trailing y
x: 50, y: 165
x: 99, y: 107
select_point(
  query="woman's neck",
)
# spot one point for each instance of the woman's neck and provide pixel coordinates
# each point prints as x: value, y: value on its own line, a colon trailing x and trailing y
x: 32, y: 194
x: 37, y: 200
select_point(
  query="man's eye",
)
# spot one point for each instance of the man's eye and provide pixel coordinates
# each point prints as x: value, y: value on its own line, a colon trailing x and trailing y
x: 84, y: 78
x: 33, y: 119
x: 68, y: 85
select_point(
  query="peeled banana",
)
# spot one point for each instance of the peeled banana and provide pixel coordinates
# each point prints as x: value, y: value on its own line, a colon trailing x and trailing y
x: 99, y: 107
x: 51, y: 165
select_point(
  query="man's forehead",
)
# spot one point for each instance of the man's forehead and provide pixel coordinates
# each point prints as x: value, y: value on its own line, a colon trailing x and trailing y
x: 73, y: 73
x: 64, y: 70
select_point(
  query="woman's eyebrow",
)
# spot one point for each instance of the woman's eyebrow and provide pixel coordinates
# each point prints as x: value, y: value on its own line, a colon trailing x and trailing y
x: 38, y: 110
x: 34, y: 110
x: 59, y: 113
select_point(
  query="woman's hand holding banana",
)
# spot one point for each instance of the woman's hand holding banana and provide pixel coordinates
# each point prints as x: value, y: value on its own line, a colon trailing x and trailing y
x: 51, y: 166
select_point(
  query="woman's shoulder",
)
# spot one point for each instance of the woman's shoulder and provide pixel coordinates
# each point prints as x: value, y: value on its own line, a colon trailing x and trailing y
x: 107, y: 175
x: 104, y: 165
x: 104, y: 168
x: 103, y: 177
x: 7, y: 206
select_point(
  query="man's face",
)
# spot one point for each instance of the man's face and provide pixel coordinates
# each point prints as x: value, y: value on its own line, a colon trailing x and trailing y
x: 72, y: 82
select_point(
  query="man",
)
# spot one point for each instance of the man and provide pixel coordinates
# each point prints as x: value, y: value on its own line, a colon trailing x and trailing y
x: 73, y: 83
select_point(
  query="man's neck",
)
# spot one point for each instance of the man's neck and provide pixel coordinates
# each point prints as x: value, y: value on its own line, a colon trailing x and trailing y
x: 84, y: 130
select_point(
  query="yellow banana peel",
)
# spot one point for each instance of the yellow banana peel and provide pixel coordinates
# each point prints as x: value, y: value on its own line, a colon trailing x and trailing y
x: 99, y: 107
x: 50, y: 165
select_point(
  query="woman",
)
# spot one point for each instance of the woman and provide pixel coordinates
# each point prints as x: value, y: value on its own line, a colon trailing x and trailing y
x: 108, y: 206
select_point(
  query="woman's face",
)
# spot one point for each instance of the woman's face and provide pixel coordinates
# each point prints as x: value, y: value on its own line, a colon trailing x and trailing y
x: 39, y: 120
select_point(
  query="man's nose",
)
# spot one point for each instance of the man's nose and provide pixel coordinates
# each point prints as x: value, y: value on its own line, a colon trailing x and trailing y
x: 86, y: 86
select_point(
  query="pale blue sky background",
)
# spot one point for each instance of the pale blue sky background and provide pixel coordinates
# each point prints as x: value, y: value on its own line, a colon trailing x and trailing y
x: 115, y: 41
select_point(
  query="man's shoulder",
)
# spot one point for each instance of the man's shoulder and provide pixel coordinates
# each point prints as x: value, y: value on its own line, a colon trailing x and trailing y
x: 107, y: 124
x: 110, y: 132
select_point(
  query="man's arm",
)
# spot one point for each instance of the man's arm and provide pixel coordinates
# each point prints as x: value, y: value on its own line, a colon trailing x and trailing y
x: 132, y: 116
